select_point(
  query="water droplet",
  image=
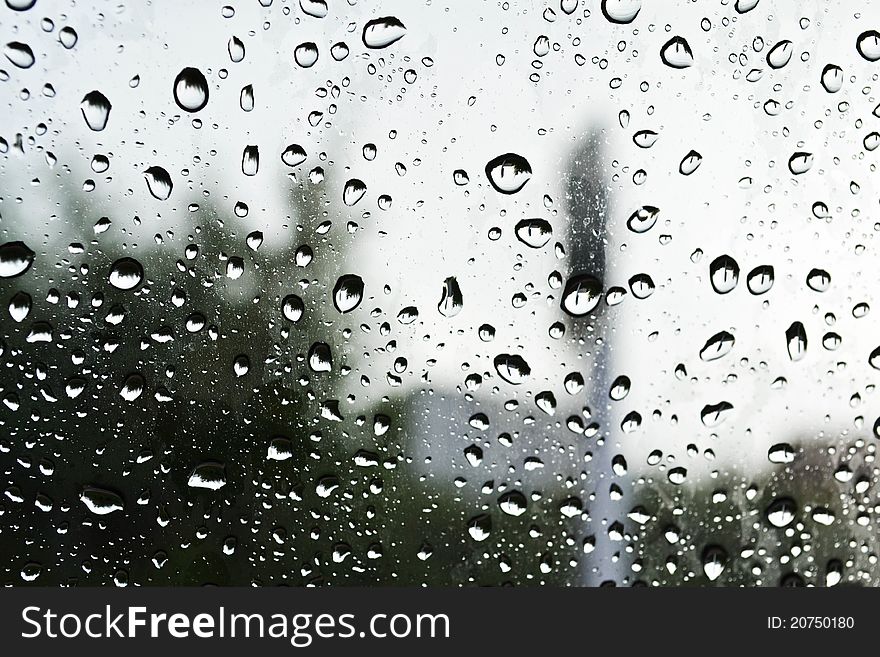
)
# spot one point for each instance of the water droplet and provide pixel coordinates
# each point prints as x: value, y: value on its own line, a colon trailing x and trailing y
x: 643, y: 219
x: 101, y: 501
x: 306, y: 54
x: 95, y: 110
x: 20, y: 5
x: 19, y: 54
x: 760, y: 279
x: 315, y: 8
x: 718, y: 346
x: 513, y: 503
x: 382, y: 32
x: 645, y: 138
x: 20, y: 306
x: 534, y: 232
x: 690, y: 163
x: 250, y: 160
x: 796, y: 341
x: 512, y: 368
x: 724, y: 274
x: 800, y: 163
x: 818, y: 280
x: 354, y: 191
x: 68, y: 37
x: 832, y: 78
x: 280, y: 449
x: 676, y: 53
x: 714, y: 556
x: 451, y: 299
x: 132, y: 387
x: 15, y: 259
x: 348, y: 293
x: 508, y: 173
x: 339, y: 51
x: 236, y: 49
x: 714, y: 414
x: 210, y: 475
x: 293, y: 155
x: 158, y: 182
x: 292, y: 307
x: 126, y: 274
x: 780, y: 54
x: 621, y: 11
x: 781, y: 453
x: 246, y: 98
x: 868, y: 45
x: 781, y: 512
x: 581, y: 295
x: 190, y: 90
x: 568, y: 6
x: 320, y: 357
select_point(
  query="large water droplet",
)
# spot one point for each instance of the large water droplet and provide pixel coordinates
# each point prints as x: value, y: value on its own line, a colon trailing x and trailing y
x: 690, y: 163
x: 19, y: 54
x: 95, y: 110
x: 236, y: 49
x: 724, y: 274
x: 348, y: 293
x: 621, y: 11
x: 760, y: 279
x: 250, y: 160
x: 190, y: 90
x: 832, y: 78
x: 306, y: 54
x: 315, y: 8
x: 15, y: 259
x: 158, y: 182
x: 512, y: 368
x: 780, y: 54
x: 676, y: 53
x: 781, y: 512
x: 292, y: 307
x: 581, y: 295
x: 293, y: 155
x: 210, y: 475
x: 534, y: 232
x: 868, y: 45
x: 353, y: 191
x: 451, y: 299
x: 513, y: 503
x: 101, y: 501
x: 714, y: 561
x: 800, y: 163
x: 508, y: 173
x: 643, y: 219
x: 126, y: 274
x: 382, y: 32
x: 796, y: 340
x: 132, y: 387
x: 718, y: 346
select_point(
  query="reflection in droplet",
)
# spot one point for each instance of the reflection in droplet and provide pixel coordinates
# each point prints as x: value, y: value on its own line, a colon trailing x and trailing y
x: 159, y: 182
x: 348, y: 292
x: 382, y: 32
x: 15, y: 259
x: 306, y: 54
x: 512, y: 368
x: 868, y: 45
x: 293, y: 155
x: 451, y: 300
x: 353, y: 191
x: 581, y: 295
x: 676, y: 53
x: 126, y: 274
x: 190, y: 90
x: 508, y: 173
x: 19, y: 54
x: 621, y: 11
x: 95, y: 110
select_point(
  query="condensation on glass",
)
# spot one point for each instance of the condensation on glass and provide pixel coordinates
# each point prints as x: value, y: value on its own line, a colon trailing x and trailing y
x: 439, y: 293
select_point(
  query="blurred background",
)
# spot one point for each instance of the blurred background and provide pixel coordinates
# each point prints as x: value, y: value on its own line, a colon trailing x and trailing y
x: 438, y: 293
